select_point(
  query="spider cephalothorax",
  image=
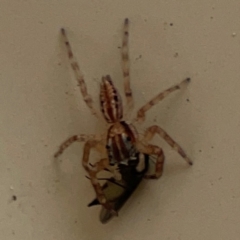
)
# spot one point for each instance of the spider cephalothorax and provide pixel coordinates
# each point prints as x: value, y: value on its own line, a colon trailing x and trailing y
x: 123, y: 148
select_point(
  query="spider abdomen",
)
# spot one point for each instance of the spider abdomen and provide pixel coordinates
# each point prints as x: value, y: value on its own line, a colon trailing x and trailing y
x: 110, y: 100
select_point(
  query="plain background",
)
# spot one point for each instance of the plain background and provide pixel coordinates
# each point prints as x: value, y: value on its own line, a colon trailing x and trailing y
x: 41, y: 106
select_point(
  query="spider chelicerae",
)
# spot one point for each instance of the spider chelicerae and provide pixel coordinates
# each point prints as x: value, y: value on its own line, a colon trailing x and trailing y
x: 121, y: 143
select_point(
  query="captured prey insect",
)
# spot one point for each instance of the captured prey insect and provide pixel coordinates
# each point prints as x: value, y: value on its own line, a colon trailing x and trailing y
x: 117, y: 192
x: 124, y: 149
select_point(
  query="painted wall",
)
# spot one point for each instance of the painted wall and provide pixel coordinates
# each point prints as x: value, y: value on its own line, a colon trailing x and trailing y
x: 41, y: 106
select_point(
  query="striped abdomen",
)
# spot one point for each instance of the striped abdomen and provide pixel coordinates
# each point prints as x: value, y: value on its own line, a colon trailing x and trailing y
x: 110, y: 100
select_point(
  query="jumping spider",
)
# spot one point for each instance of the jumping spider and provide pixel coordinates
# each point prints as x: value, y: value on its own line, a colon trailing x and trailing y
x: 121, y: 143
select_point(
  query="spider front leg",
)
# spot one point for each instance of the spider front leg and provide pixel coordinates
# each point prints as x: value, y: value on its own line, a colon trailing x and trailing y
x: 126, y: 64
x: 79, y: 76
x: 141, y: 112
x: 151, y: 131
x: 71, y: 140
x: 94, y: 169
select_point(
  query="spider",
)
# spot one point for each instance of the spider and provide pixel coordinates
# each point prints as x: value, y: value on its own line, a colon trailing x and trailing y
x: 121, y: 143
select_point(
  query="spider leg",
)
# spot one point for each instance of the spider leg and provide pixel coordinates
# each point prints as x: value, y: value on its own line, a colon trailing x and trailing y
x: 151, y: 131
x: 158, y: 152
x: 126, y: 64
x: 71, y: 140
x: 93, y: 171
x: 79, y: 76
x: 141, y: 112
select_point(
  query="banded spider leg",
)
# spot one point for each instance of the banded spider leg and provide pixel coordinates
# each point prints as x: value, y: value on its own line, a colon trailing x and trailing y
x: 151, y: 131
x: 126, y: 66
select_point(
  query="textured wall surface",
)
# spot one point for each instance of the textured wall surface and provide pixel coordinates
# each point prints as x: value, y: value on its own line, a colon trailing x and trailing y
x: 41, y: 106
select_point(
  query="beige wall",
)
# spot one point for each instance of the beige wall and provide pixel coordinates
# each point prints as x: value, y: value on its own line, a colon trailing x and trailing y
x: 41, y: 106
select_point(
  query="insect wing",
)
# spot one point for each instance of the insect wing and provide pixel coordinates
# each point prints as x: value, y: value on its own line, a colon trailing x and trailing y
x: 117, y: 192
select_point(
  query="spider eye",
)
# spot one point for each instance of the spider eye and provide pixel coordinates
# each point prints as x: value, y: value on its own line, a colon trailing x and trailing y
x: 128, y: 138
x: 107, y: 147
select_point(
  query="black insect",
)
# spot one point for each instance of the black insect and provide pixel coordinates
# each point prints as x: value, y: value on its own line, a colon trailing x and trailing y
x: 117, y: 192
